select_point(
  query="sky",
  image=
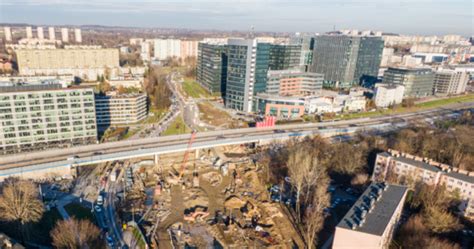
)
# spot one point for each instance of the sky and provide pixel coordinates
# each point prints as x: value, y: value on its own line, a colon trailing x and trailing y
x: 424, y: 17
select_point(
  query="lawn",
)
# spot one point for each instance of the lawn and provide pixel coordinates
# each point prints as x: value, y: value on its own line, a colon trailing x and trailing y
x: 213, y: 115
x: 192, y: 89
x: 78, y: 211
x: 418, y: 107
x: 177, y: 127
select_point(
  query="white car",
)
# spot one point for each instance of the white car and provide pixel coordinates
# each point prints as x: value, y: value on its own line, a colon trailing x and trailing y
x: 97, y: 208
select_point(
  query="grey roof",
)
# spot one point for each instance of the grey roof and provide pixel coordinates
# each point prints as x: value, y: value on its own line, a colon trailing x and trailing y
x: 417, y: 163
x: 376, y: 221
x: 462, y: 177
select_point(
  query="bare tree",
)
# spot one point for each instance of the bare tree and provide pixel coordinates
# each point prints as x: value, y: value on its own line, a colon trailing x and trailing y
x: 76, y: 234
x: 299, y: 164
x: 20, y: 203
x: 314, y: 215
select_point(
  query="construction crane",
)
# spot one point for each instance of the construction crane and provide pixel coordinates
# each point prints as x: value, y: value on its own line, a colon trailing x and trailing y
x: 186, y: 155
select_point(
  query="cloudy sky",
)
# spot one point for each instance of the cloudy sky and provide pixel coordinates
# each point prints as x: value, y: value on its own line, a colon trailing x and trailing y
x: 400, y: 16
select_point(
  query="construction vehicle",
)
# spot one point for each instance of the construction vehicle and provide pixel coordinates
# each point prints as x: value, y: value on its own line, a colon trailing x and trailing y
x: 186, y: 156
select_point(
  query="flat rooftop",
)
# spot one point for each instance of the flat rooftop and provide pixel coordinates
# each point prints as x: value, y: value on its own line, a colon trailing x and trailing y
x: 375, y: 221
x: 419, y: 164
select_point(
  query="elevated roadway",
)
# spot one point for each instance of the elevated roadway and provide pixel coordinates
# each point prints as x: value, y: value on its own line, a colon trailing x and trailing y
x: 18, y: 164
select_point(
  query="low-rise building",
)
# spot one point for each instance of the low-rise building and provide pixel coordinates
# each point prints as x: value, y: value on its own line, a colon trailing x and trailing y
x: 280, y: 106
x: 34, y: 117
x: 120, y: 109
x: 386, y: 95
x: 371, y: 221
x: 409, y: 169
x: 294, y: 83
x: 418, y: 82
x: 450, y: 81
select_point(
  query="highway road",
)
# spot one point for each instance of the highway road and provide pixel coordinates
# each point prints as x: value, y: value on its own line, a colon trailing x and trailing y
x: 96, y: 153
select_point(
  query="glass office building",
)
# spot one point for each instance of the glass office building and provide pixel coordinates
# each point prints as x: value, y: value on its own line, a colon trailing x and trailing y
x: 211, y: 70
x: 418, y: 82
x: 347, y: 60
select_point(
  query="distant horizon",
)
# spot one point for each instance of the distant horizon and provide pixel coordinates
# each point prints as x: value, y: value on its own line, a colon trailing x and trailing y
x: 410, y: 17
x: 217, y: 30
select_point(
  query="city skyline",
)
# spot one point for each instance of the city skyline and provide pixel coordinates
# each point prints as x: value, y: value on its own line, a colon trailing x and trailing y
x: 433, y: 17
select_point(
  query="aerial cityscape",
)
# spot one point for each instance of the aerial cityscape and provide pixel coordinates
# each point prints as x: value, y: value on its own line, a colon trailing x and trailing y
x: 236, y: 124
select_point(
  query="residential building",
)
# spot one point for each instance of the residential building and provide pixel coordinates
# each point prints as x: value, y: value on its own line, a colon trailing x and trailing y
x: 294, y: 83
x: 386, y: 95
x: 372, y: 220
x: 450, y: 81
x: 284, y: 107
x: 81, y: 62
x: 120, y: 109
x: 145, y: 51
x: 78, y: 35
x: 188, y: 49
x: 347, y: 60
x: 409, y: 169
x: 29, y: 32
x: 247, y: 67
x: 52, y: 34
x: 418, y: 82
x: 211, y: 70
x: 40, y: 33
x: 34, y: 117
x: 165, y: 48
x: 8, y: 33
x: 65, y: 35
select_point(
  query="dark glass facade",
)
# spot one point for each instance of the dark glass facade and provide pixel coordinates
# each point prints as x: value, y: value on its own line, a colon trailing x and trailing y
x: 212, y: 67
x: 347, y: 60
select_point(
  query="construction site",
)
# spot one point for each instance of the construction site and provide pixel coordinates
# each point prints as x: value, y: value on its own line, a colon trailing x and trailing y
x: 201, y: 198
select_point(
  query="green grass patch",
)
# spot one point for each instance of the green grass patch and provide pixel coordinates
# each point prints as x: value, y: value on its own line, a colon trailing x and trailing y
x: 192, y: 89
x: 177, y: 127
x: 78, y: 211
x: 418, y: 107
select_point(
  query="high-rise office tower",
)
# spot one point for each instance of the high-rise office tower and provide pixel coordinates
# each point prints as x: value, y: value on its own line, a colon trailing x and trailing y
x: 40, y: 32
x: 247, y: 67
x: 64, y: 35
x: 284, y: 57
x: 307, y: 46
x: 347, y: 60
x: 78, y: 35
x: 211, y: 70
x: 8, y: 33
x: 52, y: 34
x: 418, y: 82
x: 29, y: 32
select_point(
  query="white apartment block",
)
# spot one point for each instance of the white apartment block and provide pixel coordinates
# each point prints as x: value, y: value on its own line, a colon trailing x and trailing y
x: 8, y: 33
x: 120, y: 109
x: 371, y: 221
x: 29, y: 32
x: 52, y: 34
x: 450, y: 81
x: 165, y: 48
x: 86, y: 63
x: 64, y: 34
x: 409, y: 169
x: 78, y: 35
x: 34, y: 117
x: 386, y: 95
x: 40, y: 32
x: 189, y: 49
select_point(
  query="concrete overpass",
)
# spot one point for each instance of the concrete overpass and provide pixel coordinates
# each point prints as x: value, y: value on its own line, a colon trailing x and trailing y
x: 60, y: 161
